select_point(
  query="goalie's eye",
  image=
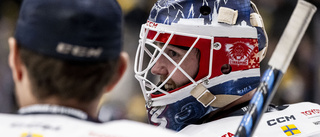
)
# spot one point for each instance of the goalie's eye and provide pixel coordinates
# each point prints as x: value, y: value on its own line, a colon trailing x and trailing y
x: 172, y: 53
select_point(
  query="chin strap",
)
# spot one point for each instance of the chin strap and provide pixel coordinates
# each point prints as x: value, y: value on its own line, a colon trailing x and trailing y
x: 206, y: 98
x: 221, y: 112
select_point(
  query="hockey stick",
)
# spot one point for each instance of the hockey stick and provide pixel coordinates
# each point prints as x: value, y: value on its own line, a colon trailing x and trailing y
x: 278, y: 64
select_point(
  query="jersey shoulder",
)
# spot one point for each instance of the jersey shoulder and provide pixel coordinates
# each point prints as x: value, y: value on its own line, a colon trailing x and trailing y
x: 46, y: 125
x: 300, y: 118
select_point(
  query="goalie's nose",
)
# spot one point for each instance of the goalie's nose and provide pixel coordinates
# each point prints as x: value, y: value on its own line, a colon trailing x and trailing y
x: 160, y: 67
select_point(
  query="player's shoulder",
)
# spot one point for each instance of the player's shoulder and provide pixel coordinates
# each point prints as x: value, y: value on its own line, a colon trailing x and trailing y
x: 299, y: 118
x: 59, y: 125
x: 41, y: 125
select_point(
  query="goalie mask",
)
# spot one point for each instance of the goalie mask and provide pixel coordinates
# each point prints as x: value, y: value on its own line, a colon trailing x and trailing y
x: 195, y: 56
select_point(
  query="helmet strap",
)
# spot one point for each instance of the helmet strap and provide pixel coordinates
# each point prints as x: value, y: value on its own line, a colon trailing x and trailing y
x: 228, y: 109
x: 206, y: 98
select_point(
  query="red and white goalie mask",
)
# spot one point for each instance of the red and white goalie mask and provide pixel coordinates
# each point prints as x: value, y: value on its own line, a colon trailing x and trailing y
x: 195, y: 56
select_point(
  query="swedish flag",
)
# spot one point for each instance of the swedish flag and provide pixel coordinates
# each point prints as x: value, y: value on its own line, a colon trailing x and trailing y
x: 290, y: 130
x: 30, y: 135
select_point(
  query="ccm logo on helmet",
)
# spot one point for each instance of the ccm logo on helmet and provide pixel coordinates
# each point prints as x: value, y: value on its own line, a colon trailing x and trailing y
x: 273, y: 122
x: 151, y: 24
x: 78, y: 51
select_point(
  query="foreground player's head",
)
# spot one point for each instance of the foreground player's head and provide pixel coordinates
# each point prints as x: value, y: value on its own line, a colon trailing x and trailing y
x: 66, y: 51
x: 195, y: 56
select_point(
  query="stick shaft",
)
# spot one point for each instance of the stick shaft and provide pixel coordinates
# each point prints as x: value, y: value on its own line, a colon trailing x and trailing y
x: 292, y: 35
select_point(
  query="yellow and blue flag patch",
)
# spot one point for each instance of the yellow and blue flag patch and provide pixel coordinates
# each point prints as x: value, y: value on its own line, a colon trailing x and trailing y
x: 30, y: 135
x: 290, y: 130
